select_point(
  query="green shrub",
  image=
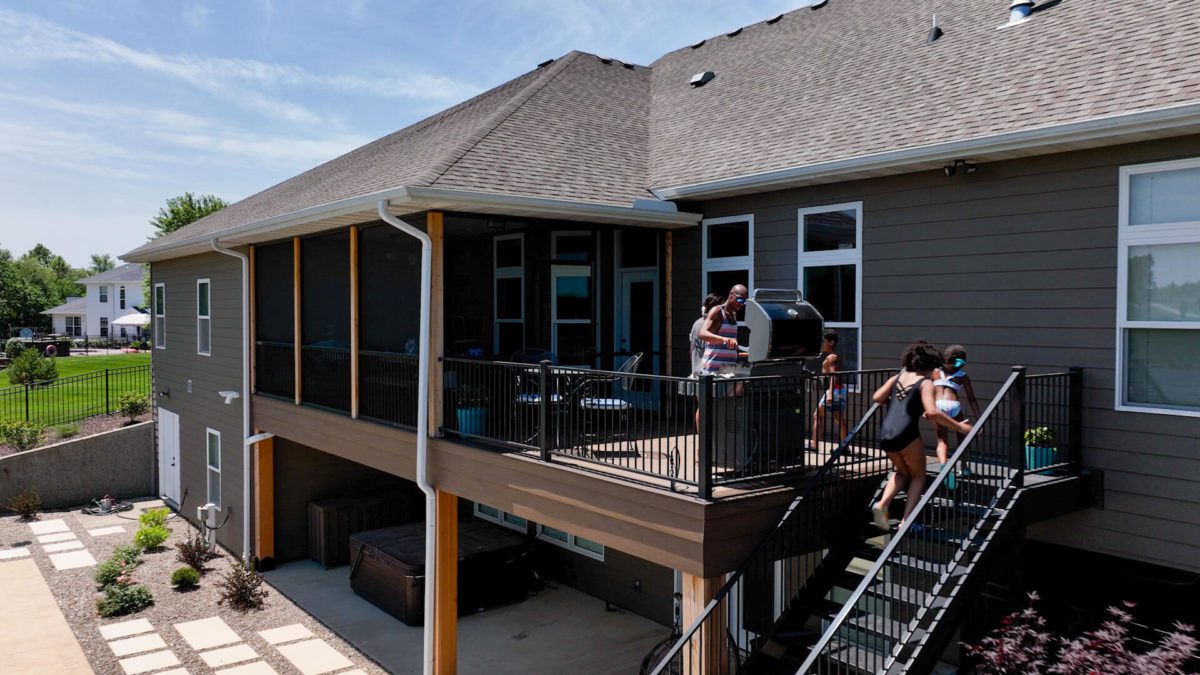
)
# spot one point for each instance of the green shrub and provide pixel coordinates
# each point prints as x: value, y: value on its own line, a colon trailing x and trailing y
x: 66, y: 430
x: 185, y: 578
x: 25, y: 504
x: 1040, y: 437
x: 154, y: 518
x: 29, y: 367
x: 22, y: 436
x: 127, y: 553
x: 121, y: 599
x: 13, y: 347
x: 150, y: 538
x: 131, y: 404
x: 242, y: 587
x: 194, y: 552
x: 113, y: 571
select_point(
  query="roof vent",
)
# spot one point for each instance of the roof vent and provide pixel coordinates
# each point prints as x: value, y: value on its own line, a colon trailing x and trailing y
x: 699, y: 44
x: 935, y: 32
x: 734, y: 33
x: 605, y: 61
x: 818, y: 4
x: 775, y: 20
x: 627, y: 65
x: 1018, y: 12
x: 543, y: 64
x: 701, y: 79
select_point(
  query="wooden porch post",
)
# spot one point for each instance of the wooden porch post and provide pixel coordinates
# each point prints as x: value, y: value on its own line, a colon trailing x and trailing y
x: 445, y: 629
x: 354, y: 321
x: 708, y: 651
x: 434, y: 227
x: 296, y: 313
x: 264, y: 499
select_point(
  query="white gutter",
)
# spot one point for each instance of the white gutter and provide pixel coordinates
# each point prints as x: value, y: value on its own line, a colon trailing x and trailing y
x: 1159, y: 119
x: 423, y: 350
x: 246, y: 524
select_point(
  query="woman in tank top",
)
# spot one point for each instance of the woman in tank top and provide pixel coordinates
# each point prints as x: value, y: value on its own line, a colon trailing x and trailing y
x: 907, y: 397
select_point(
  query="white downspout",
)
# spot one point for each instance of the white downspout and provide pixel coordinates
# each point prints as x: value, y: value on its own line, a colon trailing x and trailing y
x: 246, y: 524
x: 423, y: 424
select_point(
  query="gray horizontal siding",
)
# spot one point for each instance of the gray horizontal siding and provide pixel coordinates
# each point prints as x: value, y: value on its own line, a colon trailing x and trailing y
x: 204, y: 408
x: 1017, y: 262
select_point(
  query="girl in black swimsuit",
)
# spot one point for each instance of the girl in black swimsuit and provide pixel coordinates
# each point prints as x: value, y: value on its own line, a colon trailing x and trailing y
x: 909, y: 396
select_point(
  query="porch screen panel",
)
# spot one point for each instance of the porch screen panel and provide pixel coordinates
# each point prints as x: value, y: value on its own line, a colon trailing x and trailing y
x: 325, y: 320
x: 274, y: 360
x: 389, y: 279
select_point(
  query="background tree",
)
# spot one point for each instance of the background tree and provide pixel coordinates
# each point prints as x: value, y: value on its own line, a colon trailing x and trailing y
x: 33, y: 283
x: 101, y: 263
x: 183, y: 210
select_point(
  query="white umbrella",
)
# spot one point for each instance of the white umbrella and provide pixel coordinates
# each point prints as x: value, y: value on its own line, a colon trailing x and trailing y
x: 134, y: 319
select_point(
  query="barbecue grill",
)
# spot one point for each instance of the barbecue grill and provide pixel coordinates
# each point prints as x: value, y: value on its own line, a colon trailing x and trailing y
x: 761, y: 425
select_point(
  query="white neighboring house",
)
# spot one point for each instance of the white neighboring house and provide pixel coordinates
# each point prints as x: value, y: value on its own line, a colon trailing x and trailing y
x: 109, y: 295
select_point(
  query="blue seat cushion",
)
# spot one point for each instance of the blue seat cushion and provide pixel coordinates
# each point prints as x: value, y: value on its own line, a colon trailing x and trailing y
x: 605, y: 404
x: 535, y: 399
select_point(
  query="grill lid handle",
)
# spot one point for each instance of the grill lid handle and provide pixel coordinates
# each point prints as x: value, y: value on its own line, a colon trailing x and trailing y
x: 777, y: 295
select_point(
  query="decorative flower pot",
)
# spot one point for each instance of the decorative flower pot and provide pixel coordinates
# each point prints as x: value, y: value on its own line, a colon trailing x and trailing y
x: 1036, y: 458
x: 472, y: 420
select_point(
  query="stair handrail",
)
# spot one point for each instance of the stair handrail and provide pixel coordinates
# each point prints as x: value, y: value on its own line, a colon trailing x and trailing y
x: 1017, y: 375
x: 810, y: 485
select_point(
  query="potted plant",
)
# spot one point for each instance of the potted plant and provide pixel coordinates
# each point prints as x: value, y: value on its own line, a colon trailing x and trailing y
x: 471, y: 407
x: 1040, y: 448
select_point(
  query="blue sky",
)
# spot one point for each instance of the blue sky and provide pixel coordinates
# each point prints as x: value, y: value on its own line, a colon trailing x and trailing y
x: 107, y: 109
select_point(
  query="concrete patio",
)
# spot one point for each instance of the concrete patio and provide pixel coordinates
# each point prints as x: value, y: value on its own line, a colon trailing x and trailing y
x: 559, y: 630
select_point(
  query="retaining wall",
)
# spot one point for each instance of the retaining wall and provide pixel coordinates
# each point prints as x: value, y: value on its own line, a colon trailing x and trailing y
x: 121, y: 462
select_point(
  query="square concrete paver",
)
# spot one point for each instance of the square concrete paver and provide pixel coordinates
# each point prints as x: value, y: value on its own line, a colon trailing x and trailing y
x: 124, y: 629
x: 60, y: 536
x: 10, y: 553
x: 137, y: 645
x: 63, y: 546
x: 49, y: 526
x: 314, y: 657
x: 278, y: 636
x: 149, y: 662
x: 259, y: 668
x: 72, y: 560
x: 206, y: 633
x: 102, y: 531
x: 228, y: 655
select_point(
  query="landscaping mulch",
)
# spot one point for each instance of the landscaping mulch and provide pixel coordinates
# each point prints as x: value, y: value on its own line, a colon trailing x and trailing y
x: 76, y: 593
x: 85, y: 427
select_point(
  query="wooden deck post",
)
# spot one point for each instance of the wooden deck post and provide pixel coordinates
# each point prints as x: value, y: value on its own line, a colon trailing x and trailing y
x: 264, y: 500
x: 296, y: 313
x: 707, y: 653
x: 445, y: 628
x: 354, y: 322
x: 434, y: 227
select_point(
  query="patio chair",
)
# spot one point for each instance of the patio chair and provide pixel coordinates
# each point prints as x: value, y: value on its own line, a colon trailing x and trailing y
x: 605, y: 413
x: 527, y: 400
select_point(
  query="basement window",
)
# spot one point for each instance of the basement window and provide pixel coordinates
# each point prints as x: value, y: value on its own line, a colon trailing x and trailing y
x: 160, y: 316
x: 213, y: 442
x: 203, y: 318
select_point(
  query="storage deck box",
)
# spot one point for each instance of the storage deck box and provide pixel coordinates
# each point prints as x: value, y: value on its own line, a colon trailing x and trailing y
x: 388, y: 568
x: 332, y: 520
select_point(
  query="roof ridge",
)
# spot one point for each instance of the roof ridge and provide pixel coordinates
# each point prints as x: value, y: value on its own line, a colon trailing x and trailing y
x: 497, y: 118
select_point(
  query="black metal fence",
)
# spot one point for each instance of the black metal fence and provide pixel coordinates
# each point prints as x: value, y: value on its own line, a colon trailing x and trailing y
x: 275, y: 369
x: 387, y: 388
x: 325, y: 377
x: 73, y: 398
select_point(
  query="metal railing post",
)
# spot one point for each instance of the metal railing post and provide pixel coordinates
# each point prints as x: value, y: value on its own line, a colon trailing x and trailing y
x: 107, y: 402
x: 1016, y: 427
x: 27, y: 402
x: 544, y: 397
x: 1075, y: 417
x: 705, y: 436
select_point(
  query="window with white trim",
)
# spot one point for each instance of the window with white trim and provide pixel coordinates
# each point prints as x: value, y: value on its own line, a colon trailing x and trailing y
x: 508, y: 294
x: 571, y: 542
x: 502, y: 517
x: 727, y: 253
x: 121, y: 296
x: 74, y: 326
x: 203, y: 317
x: 829, y: 272
x: 213, y: 443
x: 103, y: 293
x: 160, y: 316
x: 104, y: 326
x: 1158, y: 288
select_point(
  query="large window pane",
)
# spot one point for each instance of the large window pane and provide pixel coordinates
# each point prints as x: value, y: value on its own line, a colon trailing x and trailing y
x: 508, y: 252
x: 639, y: 248
x: 847, y: 348
x: 1164, y: 197
x: 510, y: 339
x: 574, y: 344
x: 573, y: 247
x: 273, y: 293
x: 389, y: 282
x: 1164, y: 282
x: 722, y: 282
x: 832, y: 290
x: 728, y: 240
x: 325, y: 290
x: 830, y: 231
x: 508, y: 298
x: 1163, y: 367
x: 573, y: 298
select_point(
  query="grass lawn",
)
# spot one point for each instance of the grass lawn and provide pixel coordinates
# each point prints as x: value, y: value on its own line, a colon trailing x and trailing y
x: 63, y: 401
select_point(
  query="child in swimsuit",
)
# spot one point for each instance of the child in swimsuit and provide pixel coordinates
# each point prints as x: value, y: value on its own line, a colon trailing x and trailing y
x: 949, y: 381
x: 833, y: 400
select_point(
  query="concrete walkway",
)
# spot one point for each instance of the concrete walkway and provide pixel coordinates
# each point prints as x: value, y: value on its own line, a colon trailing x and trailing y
x: 36, y: 636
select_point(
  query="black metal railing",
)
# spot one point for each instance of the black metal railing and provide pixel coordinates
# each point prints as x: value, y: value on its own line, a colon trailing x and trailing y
x: 275, y: 369
x: 387, y: 388
x: 956, y: 517
x: 325, y: 377
x: 743, y: 614
x: 73, y: 398
x: 1053, y: 421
